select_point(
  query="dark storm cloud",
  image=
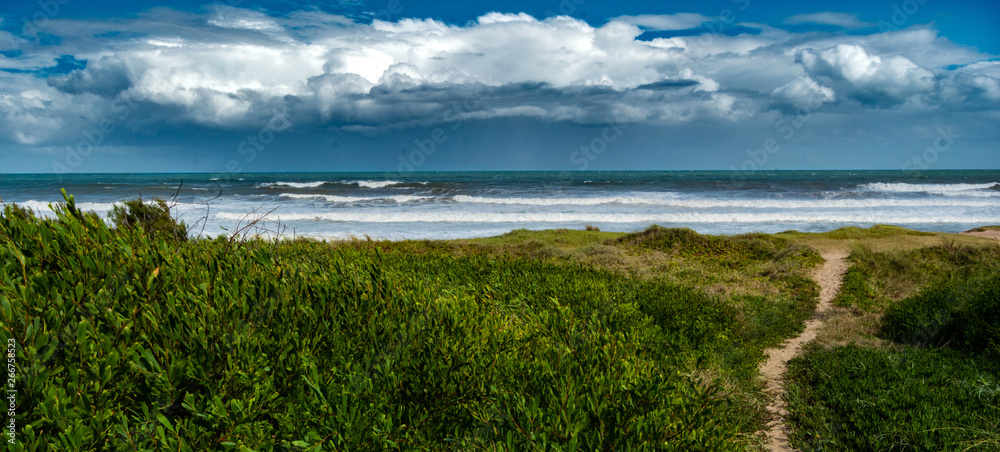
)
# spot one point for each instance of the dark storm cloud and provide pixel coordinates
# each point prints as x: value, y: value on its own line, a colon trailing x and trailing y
x: 107, y: 77
x: 668, y: 84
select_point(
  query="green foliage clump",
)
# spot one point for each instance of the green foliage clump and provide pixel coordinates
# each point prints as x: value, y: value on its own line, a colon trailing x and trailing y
x: 687, y: 242
x: 960, y: 314
x: 129, y: 341
x: 852, y: 398
x: 153, y: 218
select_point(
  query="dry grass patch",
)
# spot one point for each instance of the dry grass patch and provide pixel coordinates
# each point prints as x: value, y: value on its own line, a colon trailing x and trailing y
x: 844, y: 326
x: 881, y: 238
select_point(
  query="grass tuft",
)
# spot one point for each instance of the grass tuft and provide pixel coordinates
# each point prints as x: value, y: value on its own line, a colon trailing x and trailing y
x: 985, y: 229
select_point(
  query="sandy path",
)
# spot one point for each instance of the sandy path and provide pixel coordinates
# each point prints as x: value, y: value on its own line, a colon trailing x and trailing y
x: 828, y: 277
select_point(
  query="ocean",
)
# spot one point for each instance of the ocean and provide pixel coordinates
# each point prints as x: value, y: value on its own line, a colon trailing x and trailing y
x: 449, y: 205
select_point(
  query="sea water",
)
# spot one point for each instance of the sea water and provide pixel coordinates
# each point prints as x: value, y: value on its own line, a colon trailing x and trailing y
x: 447, y: 205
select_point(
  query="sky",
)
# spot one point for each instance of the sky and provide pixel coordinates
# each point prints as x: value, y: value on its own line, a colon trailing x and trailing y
x: 416, y: 85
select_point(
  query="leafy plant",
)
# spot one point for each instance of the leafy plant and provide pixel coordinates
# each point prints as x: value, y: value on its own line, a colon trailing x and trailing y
x: 962, y: 314
x: 153, y: 218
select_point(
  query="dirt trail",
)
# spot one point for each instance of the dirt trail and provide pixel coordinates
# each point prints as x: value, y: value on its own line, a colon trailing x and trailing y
x: 828, y: 276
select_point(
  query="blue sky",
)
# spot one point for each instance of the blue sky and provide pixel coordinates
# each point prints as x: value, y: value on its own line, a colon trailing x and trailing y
x: 544, y: 85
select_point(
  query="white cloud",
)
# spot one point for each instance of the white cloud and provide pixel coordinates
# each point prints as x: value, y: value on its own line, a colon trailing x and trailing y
x: 804, y: 93
x: 989, y: 85
x: 231, y: 67
x: 990, y: 68
x: 235, y: 18
x: 665, y: 22
x: 39, y: 114
x: 828, y: 18
x: 500, y: 18
x: 870, y: 79
x: 165, y: 43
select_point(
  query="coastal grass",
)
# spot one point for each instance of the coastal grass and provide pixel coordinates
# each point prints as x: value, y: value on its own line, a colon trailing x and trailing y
x: 742, y: 265
x: 128, y: 337
x: 762, y: 281
x: 880, y: 238
x: 909, y: 358
x: 877, y: 279
x: 855, y: 398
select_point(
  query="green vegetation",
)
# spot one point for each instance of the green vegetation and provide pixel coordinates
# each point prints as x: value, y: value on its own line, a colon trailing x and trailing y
x: 936, y: 386
x: 131, y: 336
x: 153, y: 218
x: 852, y: 398
x: 961, y: 314
x: 128, y: 340
x: 876, y: 279
x: 854, y: 233
x: 881, y: 238
x: 689, y: 243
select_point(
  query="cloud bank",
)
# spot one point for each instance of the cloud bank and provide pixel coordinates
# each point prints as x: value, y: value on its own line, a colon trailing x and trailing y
x: 231, y: 69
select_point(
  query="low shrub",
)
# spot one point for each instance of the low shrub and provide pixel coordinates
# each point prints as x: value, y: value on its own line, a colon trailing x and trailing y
x: 940, y: 390
x: 876, y: 279
x: 153, y: 218
x: 687, y: 242
x: 961, y: 314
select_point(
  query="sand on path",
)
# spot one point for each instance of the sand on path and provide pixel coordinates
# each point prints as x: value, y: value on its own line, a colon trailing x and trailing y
x: 828, y: 276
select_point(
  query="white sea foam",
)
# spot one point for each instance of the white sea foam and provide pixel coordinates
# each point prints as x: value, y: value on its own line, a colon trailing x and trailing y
x: 292, y: 184
x: 655, y: 200
x: 43, y: 206
x: 926, y: 188
x: 400, y: 199
x: 354, y: 216
x: 374, y: 183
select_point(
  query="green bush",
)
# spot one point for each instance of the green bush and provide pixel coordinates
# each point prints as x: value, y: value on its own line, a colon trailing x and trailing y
x: 690, y: 243
x: 153, y: 218
x: 961, y: 314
